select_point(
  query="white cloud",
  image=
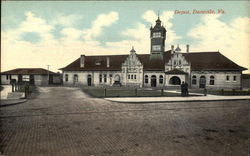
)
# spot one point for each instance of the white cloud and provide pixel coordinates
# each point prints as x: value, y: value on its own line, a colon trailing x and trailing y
x: 139, y: 38
x: 31, y: 24
x: 71, y: 33
x: 166, y: 17
x: 140, y: 33
x: 231, y: 39
x: 66, y: 20
x: 103, y: 20
x: 58, y: 53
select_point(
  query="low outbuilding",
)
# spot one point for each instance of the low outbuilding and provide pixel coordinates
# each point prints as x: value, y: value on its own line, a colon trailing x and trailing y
x: 34, y: 76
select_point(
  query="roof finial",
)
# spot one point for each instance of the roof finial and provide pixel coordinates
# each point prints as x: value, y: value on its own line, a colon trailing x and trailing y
x: 158, y: 14
x: 132, y: 50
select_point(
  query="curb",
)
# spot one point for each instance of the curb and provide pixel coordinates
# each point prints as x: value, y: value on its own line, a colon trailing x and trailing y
x: 166, y: 101
x: 5, y: 103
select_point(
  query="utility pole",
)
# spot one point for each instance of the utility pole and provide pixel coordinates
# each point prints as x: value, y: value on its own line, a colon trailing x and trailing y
x: 48, y: 74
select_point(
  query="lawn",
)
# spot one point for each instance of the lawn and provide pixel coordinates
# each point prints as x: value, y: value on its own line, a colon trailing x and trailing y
x: 143, y: 92
x: 126, y: 92
x: 223, y: 92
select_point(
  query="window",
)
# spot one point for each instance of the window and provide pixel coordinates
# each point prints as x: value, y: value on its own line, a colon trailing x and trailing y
x: 179, y: 62
x: 105, y: 78
x: 156, y: 47
x: 7, y: 77
x: 161, y: 79
x: 66, y: 77
x: 75, y: 78
x: 146, y: 78
x: 156, y: 34
x: 100, y: 78
x: 211, y: 82
x: 135, y: 76
x: 132, y: 76
x: 227, y: 78
x: 194, y: 80
x: 128, y: 76
x: 97, y: 63
x: 110, y: 75
x: 174, y: 62
x: 235, y: 78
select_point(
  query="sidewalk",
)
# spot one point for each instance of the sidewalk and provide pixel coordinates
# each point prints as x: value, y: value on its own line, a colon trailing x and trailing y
x: 8, y: 102
x: 177, y: 99
x: 11, y: 98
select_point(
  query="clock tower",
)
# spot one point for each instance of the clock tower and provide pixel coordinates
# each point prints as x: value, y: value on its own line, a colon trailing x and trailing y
x: 157, y: 37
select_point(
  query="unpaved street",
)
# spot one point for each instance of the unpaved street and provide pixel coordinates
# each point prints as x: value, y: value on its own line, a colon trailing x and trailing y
x: 65, y: 121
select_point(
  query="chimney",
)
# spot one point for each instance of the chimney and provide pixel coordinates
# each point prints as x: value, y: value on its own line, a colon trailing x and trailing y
x: 107, y: 62
x: 187, y: 48
x: 82, y: 61
x: 172, y: 49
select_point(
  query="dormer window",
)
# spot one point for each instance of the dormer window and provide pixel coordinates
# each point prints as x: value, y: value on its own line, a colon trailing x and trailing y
x: 156, y: 34
x: 97, y: 63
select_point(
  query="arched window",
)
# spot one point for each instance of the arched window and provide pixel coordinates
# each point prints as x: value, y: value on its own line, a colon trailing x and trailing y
x: 66, y: 77
x: 194, y: 80
x: 100, y: 78
x: 146, y: 78
x: 161, y: 79
x: 227, y: 78
x: 105, y: 78
x: 89, y: 80
x: 132, y: 76
x: 75, y: 78
x: 128, y: 76
x: 235, y: 78
x: 211, y: 82
x: 135, y: 76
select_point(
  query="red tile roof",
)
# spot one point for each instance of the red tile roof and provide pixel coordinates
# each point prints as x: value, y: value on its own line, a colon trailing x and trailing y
x: 28, y: 71
x: 199, y: 61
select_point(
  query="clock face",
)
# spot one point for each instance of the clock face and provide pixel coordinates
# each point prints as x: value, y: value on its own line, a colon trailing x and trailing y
x: 156, y: 34
x: 156, y: 47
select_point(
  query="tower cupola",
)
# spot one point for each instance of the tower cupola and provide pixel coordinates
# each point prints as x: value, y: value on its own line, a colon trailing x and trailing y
x: 157, y: 37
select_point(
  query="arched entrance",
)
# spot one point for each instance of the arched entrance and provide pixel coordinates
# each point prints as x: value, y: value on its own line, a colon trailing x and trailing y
x: 117, y: 80
x: 153, y: 81
x: 202, y: 82
x: 175, y: 80
x: 89, y: 80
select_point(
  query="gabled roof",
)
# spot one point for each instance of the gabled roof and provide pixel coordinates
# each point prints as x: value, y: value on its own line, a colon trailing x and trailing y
x: 211, y: 61
x: 115, y: 62
x: 28, y: 71
x: 198, y: 60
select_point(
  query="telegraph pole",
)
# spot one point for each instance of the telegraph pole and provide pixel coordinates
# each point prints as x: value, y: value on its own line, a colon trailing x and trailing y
x: 48, y: 74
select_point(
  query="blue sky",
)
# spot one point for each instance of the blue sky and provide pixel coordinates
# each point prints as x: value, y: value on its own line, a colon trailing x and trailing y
x: 68, y: 29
